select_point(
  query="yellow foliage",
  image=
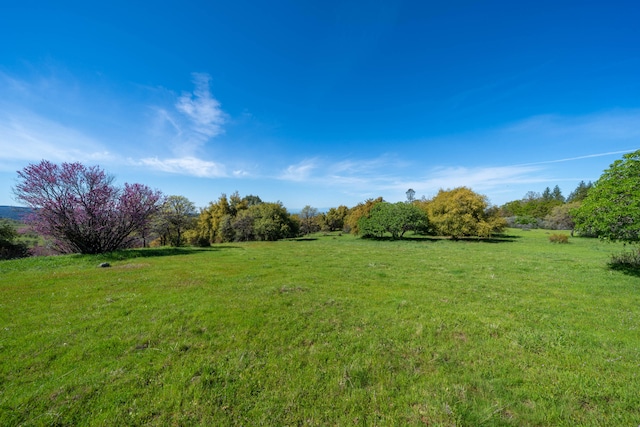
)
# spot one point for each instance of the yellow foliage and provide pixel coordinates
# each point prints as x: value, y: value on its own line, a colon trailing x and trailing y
x: 358, y: 211
x: 461, y: 212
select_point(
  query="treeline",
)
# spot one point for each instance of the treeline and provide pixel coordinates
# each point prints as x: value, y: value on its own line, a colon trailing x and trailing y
x: 79, y: 210
x: 454, y: 213
x: 549, y: 209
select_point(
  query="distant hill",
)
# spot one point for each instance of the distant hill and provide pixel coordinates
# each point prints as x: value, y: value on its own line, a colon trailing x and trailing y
x: 13, y: 212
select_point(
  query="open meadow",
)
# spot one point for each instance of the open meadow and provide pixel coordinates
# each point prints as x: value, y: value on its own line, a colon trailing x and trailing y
x: 328, y: 330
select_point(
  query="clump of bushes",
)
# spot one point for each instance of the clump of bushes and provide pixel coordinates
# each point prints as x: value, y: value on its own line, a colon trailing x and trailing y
x: 559, y: 238
x: 10, y: 248
x: 625, y: 261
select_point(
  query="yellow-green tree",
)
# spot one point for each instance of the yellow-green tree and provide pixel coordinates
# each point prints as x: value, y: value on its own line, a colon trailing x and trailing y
x: 211, y: 218
x: 334, y: 219
x: 461, y: 212
x: 358, y: 211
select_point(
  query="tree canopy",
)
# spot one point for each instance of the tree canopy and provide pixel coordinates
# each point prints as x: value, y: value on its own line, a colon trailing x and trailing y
x: 611, y: 209
x: 80, y: 208
x: 461, y: 212
x: 393, y: 218
x: 351, y: 221
x: 308, y: 220
x: 176, y: 216
x: 334, y: 219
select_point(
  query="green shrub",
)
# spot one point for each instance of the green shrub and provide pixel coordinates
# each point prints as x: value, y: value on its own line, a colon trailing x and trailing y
x: 626, y: 260
x: 9, y: 247
x: 559, y: 238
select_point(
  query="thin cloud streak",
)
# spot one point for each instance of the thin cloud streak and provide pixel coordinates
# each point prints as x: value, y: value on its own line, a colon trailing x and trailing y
x: 478, y: 178
x: 588, y: 156
x: 616, y: 125
x: 185, y: 166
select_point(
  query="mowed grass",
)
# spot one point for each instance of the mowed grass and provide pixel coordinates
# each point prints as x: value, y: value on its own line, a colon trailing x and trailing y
x: 332, y: 331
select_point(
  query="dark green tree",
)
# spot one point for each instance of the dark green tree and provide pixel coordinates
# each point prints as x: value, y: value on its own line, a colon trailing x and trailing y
x: 580, y: 193
x: 271, y: 221
x: 393, y: 218
x: 556, y: 194
x: 252, y: 200
x: 243, y: 225
x: 359, y: 211
x: 611, y: 209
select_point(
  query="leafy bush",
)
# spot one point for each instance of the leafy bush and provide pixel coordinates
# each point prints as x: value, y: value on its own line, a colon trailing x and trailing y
x: 9, y: 248
x: 13, y: 250
x: 526, y: 222
x: 559, y: 238
x: 625, y: 261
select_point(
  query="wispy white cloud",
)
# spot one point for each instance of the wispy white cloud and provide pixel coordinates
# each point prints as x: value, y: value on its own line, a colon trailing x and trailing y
x: 198, y: 117
x: 299, y: 172
x: 185, y: 166
x: 202, y: 109
x: 27, y: 137
x: 342, y: 173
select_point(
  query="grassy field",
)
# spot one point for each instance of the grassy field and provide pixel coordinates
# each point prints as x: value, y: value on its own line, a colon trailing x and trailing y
x: 326, y: 331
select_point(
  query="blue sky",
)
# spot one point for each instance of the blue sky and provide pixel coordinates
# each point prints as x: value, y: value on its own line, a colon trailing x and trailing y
x: 322, y: 103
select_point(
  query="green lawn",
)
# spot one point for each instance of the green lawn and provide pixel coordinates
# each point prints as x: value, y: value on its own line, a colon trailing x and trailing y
x: 330, y: 331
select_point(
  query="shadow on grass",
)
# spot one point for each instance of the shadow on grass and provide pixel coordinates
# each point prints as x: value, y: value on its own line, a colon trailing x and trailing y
x: 627, y: 262
x: 159, y: 252
x: 498, y: 238
x: 625, y: 269
x: 494, y: 239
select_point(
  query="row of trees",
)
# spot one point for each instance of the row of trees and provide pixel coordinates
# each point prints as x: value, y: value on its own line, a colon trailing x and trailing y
x: 243, y: 219
x: 455, y: 213
x: 549, y: 209
x: 80, y: 210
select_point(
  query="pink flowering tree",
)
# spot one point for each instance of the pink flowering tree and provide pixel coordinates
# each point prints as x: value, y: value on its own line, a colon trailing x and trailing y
x: 80, y: 209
